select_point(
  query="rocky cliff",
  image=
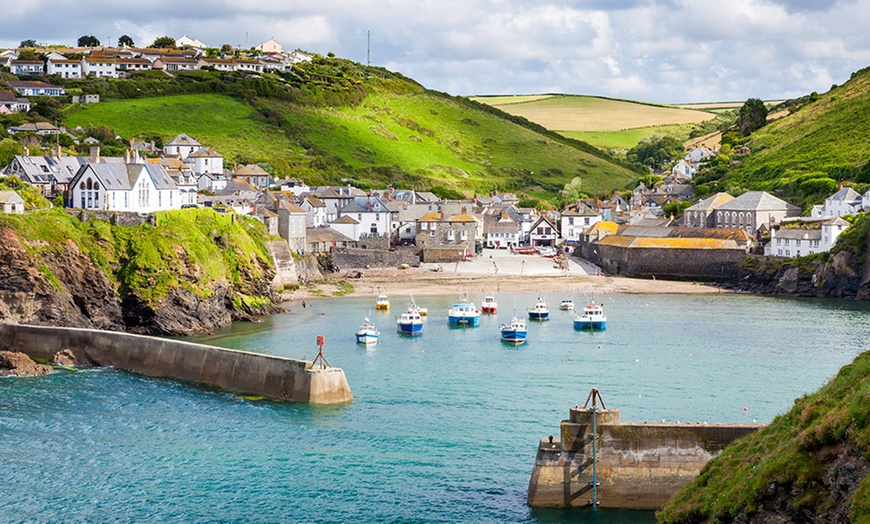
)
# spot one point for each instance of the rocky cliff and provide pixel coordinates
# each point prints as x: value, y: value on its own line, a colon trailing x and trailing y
x: 195, y: 272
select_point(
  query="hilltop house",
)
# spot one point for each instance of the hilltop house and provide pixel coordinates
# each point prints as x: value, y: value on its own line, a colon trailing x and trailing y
x: 142, y: 188
x: 846, y: 201
x: 37, y: 88
x: 9, y: 103
x: 64, y: 68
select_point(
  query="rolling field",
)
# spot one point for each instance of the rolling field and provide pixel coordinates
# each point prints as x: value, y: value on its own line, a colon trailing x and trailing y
x: 586, y: 113
x: 624, y: 140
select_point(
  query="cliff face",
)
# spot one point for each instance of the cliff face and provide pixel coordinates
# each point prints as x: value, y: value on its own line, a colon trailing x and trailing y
x: 121, y: 278
x: 841, y: 276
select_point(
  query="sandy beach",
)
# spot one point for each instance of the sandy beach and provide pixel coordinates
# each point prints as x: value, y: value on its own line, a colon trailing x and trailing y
x: 494, y: 271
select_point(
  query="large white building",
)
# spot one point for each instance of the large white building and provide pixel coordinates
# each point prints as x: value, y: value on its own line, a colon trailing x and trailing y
x: 142, y: 188
x: 846, y: 201
x: 805, y: 240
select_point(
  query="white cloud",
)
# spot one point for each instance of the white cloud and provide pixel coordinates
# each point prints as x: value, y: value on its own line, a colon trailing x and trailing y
x: 655, y: 50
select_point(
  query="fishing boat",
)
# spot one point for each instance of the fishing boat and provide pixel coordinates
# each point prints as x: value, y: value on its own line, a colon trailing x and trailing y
x: 567, y: 305
x: 410, y: 323
x: 489, y: 304
x: 463, y: 314
x: 515, y: 332
x: 591, y: 318
x: 539, y: 311
x: 367, y: 334
x: 382, y: 303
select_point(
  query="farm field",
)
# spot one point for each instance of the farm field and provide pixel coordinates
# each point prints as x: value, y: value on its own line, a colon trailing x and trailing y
x: 628, y: 138
x: 586, y: 113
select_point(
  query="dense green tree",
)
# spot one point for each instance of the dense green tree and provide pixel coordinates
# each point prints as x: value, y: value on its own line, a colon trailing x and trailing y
x: 571, y: 192
x: 125, y: 40
x: 27, y: 54
x: 163, y: 42
x: 88, y: 41
x: 656, y: 151
x: 752, y: 116
x: 27, y: 43
x: 8, y: 149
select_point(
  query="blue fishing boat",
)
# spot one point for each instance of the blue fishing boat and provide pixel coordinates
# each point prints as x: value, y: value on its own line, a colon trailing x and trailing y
x: 515, y: 332
x: 539, y: 311
x: 367, y: 334
x: 410, y: 323
x: 591, y: 318
x: 463, y: 314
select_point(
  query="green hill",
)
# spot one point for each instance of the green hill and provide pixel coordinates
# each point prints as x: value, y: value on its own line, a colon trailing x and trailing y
x: 808, y: 465
x: 809, y: 152
x: 335, y: 122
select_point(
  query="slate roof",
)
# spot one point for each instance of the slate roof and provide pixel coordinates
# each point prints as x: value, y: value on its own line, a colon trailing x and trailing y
x: 10, y: 197
x: 846, y: 194
x: 712, y: 202
x: 182, y: 140
x: 756, y: 201
x: 121, y: 177
x: 366, y: 204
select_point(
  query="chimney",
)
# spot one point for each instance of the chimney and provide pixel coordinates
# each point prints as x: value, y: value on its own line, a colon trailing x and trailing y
x: 26, y: 151
x: 57, y: 151
x: 127, y: 156
x: 95, y: 155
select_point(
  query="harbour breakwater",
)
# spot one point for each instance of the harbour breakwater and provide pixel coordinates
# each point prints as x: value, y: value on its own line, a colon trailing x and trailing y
x: 634, y: 465
x: 235, y: 371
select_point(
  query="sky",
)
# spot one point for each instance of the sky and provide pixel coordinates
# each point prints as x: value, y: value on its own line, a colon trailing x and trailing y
x: 666, y: 51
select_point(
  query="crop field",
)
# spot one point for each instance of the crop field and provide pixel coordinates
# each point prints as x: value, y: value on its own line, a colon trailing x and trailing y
x: 586, y: 113
x: 628, y: 138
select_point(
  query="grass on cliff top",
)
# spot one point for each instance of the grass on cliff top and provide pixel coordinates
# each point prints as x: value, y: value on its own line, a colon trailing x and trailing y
x: 190, y: 248
x: 785, y: 457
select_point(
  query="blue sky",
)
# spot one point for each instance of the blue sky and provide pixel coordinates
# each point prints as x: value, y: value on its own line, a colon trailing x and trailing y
x: 653, y: 50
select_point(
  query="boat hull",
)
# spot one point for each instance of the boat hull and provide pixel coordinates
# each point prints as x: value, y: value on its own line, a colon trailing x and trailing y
x: 489, y: 309
x: 539, y: 315
x: 366, y: 338
x: 463, y: 321
x: 592, y: 325
x: 411, y: 329
x: 514, y: 336
x: 385, y: 307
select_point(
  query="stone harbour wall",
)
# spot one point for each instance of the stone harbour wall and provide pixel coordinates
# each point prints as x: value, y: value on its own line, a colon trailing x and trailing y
x: 235, y: 371
x: 639, y: 465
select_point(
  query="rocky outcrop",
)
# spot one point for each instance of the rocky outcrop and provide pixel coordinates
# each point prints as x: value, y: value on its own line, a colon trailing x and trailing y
x: 65, y: 287
x: 20, y: 365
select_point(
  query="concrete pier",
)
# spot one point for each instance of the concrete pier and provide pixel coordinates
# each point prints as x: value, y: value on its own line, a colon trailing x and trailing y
x: 235, y: 371
x: 640, y: 465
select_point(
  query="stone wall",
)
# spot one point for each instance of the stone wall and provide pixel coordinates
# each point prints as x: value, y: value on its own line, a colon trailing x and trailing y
x: 719, y: 264
x: 236, y: 371
x: 118, y: 218
x: 347, y: 258
x: 639, y: 465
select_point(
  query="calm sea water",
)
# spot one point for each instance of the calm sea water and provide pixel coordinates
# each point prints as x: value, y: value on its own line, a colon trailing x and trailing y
x: 444, y: 428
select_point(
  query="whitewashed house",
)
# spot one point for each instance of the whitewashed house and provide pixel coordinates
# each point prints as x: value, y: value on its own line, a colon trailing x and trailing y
x: 64, y: 68
x: 270, y: 46
x: 99, y: 67
x: 181, y: 146
x: 186, y: 41
x: 683, y: 169
x: 11, y: 202
x: 141, y: 188
x: 315, y: 211
x: 576, y: 220
x: 846, y: 201
x: 808, y: 239
x: 209, y: 182
x: 205, y: 160
x: 544, y: 233
x: 503, y: 233
x: 372, y: 214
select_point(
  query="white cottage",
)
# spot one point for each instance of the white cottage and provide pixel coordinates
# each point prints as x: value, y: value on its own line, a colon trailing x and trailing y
x: 11, y: 202
x: 142, y: 188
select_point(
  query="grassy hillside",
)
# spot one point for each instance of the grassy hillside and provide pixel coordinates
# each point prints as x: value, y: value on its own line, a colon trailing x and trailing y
x: 603, y: 122
x: 190, y: 249
x: 335, y: 122
x: 801, y: 468
x: 828, y: 138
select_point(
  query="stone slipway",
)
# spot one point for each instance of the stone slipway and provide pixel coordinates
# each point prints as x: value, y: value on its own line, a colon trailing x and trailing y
x: 235, y: 371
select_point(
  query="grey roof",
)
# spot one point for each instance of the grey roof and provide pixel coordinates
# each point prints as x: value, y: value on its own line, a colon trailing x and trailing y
x: 122, y: 177
x: 366, y: 204
x: 846, y: 194
x: 756, y: 201
x: 10, y: 197
x: 41, y: 169
x: 710, y: 203
x: 799, y: 233
x: 182, y: 140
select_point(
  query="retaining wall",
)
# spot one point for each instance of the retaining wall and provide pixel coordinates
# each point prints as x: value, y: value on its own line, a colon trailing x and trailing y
x: 665, y: 262
x: 236, y: 371
x: 347, y: 258
x: 640, y: 465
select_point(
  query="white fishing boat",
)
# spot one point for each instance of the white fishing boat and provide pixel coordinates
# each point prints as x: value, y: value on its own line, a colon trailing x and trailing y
x: 367, y: 333
x: 515, y: 332
x: 489, y: 305
x: 592, y: 318
x: 539, y: 311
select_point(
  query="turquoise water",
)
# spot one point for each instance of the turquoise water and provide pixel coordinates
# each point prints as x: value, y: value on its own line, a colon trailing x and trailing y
x: 444, y: 427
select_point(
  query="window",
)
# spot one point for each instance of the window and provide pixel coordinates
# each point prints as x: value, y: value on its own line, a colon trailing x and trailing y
x: 450, y: 235
x: 464, y: 235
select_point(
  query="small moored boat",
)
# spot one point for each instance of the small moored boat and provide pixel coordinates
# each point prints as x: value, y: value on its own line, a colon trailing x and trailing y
x: 489, y: 304
x: 410, y: 323
x: 367, y: 334
x: 382, y: 303
x: 463, y: 314
x: 539, y: 311
x: 567, y: 305
x: 591, y: 318
x: 515, y: 332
